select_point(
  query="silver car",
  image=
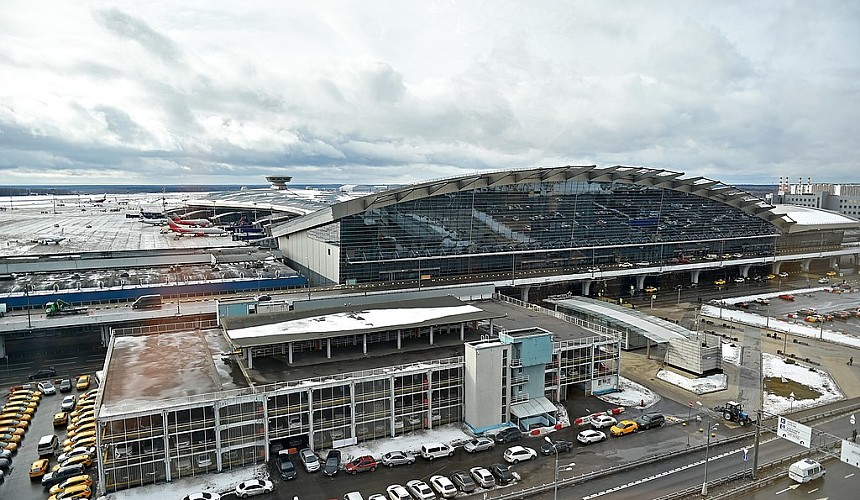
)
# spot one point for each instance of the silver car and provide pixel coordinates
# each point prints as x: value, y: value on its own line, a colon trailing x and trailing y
x: 483, y: 477
x: 420, y: 490
x: 310, y: 460
x: 393, y: 458
x: 479, y: 444
x: 397, y: 492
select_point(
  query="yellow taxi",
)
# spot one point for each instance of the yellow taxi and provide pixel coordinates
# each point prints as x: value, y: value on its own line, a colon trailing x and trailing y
x: 61, y: 419
x: 83, y: 383
x: 72, y: 481
x: 81, y: 429
x: 80, y: 422
x: 6, y: 445
x: 23, y: 400
x: 650, y: 289
x: 720, y: 282
x: 15, y: 415
x: 771, y: 276
x: 11, y: 438
x: 831, y: 273
x: 624, y: 427
x: 39, y: 468
x: 27, y: 410
x: 11, y: 422
x: 89, y: 433
x: 83, y: 443
x: 73, y: 492
x: 81, y: 412
x: 84, y: 460
x: 12, y: 430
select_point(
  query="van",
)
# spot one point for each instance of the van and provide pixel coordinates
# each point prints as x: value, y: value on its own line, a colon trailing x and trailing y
x: 353, y: 495
x: 436, y: 450
x: 47, y: 445
x: 147, y: 301
x: 805, y: 470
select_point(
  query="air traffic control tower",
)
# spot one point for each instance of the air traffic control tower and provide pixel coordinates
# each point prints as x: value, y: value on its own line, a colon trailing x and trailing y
x: 279, y: 182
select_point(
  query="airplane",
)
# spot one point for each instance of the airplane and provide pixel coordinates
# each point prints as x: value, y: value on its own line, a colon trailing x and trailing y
x: 192, y: 222
x: 153, y: 222
x: 196, y: 231
x: 48, y: 240
x: 100, y: 200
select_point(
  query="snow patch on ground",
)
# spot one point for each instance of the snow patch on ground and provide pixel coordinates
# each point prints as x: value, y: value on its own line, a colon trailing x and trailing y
x: 775, y: 366
x: 631, y: 394
x: 700, y: 385
x: 454, y: 434
x: 218, y: 483
x: 731, y: 353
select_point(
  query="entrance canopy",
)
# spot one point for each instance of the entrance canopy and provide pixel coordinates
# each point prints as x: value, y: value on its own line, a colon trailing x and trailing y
x: 533, y: 408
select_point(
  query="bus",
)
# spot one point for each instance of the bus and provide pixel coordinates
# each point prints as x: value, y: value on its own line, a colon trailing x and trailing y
x: 147, y: 301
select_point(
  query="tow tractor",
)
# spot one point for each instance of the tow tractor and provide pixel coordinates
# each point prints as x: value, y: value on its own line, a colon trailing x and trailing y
x: 733, y: 412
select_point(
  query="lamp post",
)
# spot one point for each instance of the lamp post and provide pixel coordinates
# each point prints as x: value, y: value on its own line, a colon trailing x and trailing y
x: 679, y: 294
x: 707, y: 452
x: 652, y: 301
x: 555, y: 480
x: 27, y: 293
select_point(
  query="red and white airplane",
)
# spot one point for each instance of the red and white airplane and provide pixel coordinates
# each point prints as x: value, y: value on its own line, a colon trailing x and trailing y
x: 195, y: 231
x: 192, y: 222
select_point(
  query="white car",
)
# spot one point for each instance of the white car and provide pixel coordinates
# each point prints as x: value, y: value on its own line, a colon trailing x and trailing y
x: 310, y: 460
x: 443, y: 486
x: 590, y: 436
x: 420, y: 490
x: 47, y: 387
x: 204, y: 460
x: 625, y: 265
x: 91, y: 451
x: 68, y: 403
x: 483, y: 477
x: 377, y: 496
x: 479, y: 444
x: 783, y: 274
x: 397, y: 492
x: 739, y: 279
x: 593, y: 270
x: 253, y: 487
x: 603, y: 421
x: 203, y: 495
x: 516, y: 454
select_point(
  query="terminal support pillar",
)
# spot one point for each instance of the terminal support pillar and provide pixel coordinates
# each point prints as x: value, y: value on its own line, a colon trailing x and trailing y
x: 804, y: 265
x: 398, y: 341
x: 524, y: 293
x: 833, y: 262
x: 431, y: 335
x: 364, y: 343
x: 328, y: 348
x: 745, y: 270
x: 640, y: 282
x: 250, y: 358
x: 776, y: 266
x: 289, y: 353
x: 2, y: 346
x: 105, y: 334
x: 462, y: 331
x: 694, y: 276
x: 586, y: 288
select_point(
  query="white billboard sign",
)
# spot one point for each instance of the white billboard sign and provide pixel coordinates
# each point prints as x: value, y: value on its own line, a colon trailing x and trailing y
x: 799, y: 433
x: 850, y: 453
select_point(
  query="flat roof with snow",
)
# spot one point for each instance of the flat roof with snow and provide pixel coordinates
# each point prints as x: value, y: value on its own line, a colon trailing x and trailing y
x: 278, y: 328
x: 656, y: 329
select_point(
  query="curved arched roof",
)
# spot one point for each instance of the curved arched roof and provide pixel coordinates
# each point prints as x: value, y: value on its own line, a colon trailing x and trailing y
x: 641, y: 176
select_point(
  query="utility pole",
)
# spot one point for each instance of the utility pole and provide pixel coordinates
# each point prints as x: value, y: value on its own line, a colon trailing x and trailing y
x: 755, y: 445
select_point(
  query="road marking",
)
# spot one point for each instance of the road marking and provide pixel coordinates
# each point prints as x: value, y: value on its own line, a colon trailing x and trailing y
x: 849, y: 475
x: 792, y: 487
x: 64, y: 363
x: 813, y: 490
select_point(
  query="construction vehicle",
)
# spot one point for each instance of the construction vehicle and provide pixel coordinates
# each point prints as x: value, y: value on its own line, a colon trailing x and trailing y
x: 61, y: 307
x: 733, y: 412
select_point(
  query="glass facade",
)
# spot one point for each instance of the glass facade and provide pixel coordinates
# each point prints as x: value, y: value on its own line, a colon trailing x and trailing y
x: 535, y: 228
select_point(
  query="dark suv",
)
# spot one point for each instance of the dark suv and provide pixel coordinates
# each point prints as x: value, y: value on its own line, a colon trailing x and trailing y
x: 503, y: 473
x: 507, y: 435
x: 285, y: 466
x: 332, y: 463
x: 44, y: 373
x: 65, y: 385
x: 650, y: 420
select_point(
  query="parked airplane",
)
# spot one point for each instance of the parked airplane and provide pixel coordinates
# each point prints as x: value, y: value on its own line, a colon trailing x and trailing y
x: 192, y: 222
x: 99, y: 200
x: 48, y: 240
x: 196, y: 231
x: 153, y: 222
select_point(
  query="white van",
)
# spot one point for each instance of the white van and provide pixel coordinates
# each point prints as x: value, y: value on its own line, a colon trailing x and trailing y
x: 353, y: 495
x: 48, y: 445
x: 436, y: 450
x: 805, y: 470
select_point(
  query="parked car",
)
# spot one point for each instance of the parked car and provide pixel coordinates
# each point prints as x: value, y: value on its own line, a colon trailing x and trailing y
x: 84, y: 479
x: 361, y: 464
x: 253, y: 487
x: 479, y: 444
x: 90, y: 451
x: 83, y: 383
x: 44, y: 373
x: 66, y: 385
x: 436, y: 450
x: 623, y: 428
x: 503, y: 474
x: 590, y: 436
x: 203, y: 495
x: 397, y: 492
x: 47, y: 387
x: 483, y: 477
x: 560, y: 447
x: 393, y: 458
x: 516, y: 454
x: 463, y: 481
x: 61, y: 474
x: 84, y: 460
x: 420, y: 490
x: 61, y: 419
x: 310, y: 460
x: 332, y: 463
x: 650, y: 420
x: 443, y: 486
x: 69, y: 402
x: 508, y: 435
x: 603, y: 421
x: 39, y: 468
x: 286, y: 469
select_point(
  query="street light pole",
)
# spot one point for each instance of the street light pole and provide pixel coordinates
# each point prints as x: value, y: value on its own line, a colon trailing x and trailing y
x: 555, y: 480
x: 27, y: 293
x: 707, y: 456
x: 679, y: 294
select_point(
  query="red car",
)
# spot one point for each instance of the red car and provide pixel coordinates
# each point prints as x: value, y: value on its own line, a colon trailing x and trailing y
x: 362, y: 464
x: 787, y: 296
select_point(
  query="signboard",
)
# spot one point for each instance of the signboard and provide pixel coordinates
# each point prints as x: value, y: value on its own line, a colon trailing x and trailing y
x: 850, y: 453
x: 791, y: 430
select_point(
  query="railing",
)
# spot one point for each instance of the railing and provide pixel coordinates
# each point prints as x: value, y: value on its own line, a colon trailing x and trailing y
x: 522, y: 396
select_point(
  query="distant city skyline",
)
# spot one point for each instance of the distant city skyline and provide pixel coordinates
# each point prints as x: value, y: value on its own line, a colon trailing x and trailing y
x: 216, y: 92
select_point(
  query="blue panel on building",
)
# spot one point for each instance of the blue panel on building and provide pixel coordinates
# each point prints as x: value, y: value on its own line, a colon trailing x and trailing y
x: 536, y: 349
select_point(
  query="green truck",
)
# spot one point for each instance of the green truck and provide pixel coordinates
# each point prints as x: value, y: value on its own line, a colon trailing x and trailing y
x: 61, y: 307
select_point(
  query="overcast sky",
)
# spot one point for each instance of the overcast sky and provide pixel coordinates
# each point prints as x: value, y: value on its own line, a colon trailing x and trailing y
x: 392, y: 92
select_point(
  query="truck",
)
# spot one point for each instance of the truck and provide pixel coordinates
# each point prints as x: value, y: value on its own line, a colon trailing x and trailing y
x: 61, y: 307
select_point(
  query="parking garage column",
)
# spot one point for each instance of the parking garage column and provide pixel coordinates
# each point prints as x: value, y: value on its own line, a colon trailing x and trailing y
x: 2, y: 346
x: 250, y: 358
x: 586, y: 288
x: 431, y: 334
x: 833, y: 263
x: 462, y: 331
x: 776, y: 266
x: 694, y: 276
x: 328, y: 348
x: 524, y: 293
x: 745, y: 270
x: 398, y: 339
x: 364, y: 343
x: 105, y: 331
x: 289, y: 353
x: 640, y: 281
x: 804, y: 265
